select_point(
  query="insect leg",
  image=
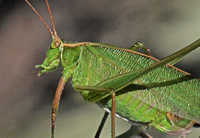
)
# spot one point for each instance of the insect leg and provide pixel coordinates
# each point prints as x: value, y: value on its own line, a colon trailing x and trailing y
x: 122, y: 80
x: 113, y: 114
x: 105, y: 116
x: 99, y: 90
x: 138, y: 45
x: 147, y: 51
x: 55, y: 104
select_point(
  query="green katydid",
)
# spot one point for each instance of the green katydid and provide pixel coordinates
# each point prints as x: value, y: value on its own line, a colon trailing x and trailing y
x: 129, y: 84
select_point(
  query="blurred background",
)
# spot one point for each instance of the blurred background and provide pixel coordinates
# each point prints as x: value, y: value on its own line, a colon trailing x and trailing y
x: 25, y: 99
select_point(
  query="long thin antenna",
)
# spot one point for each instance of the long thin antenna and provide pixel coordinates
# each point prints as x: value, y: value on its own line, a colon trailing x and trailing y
x: 53, y: 26
x: 40, y: 17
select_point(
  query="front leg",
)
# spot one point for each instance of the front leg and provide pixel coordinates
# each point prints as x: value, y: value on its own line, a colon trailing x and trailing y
x: 55, y: 104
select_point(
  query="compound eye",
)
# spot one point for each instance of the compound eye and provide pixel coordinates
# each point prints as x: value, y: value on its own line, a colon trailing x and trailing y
x: 56, y: 43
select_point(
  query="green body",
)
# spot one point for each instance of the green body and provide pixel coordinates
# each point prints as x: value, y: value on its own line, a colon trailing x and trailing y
x: 147, y: 99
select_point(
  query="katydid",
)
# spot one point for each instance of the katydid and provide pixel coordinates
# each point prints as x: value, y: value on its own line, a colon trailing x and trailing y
x: 129, y: 84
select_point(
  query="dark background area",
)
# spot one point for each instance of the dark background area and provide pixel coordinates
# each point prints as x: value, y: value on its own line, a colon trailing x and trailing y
x: 25, y: 99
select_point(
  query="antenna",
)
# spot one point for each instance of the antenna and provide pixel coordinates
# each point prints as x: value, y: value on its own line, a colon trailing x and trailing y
x: 43, y: 19
x: 51, y: 18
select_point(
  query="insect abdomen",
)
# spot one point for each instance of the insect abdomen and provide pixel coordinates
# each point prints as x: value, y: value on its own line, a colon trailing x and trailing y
x: 135, y: 111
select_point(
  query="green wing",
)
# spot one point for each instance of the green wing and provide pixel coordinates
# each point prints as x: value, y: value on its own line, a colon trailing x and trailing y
x: 165, y: 88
